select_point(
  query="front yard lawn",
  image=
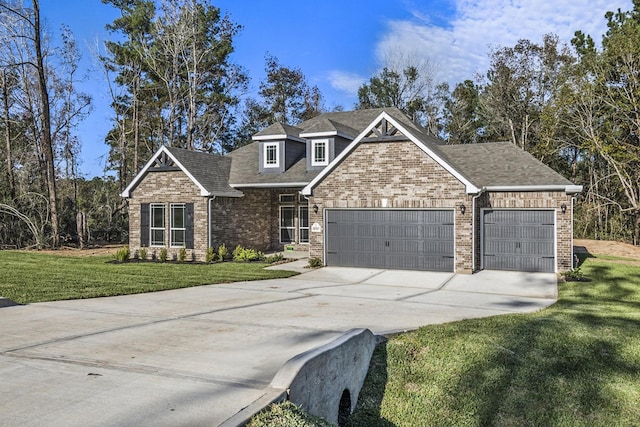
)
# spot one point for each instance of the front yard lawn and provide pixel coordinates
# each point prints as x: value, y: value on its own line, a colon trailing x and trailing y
x: 576, y: 363
x: 27, y: 277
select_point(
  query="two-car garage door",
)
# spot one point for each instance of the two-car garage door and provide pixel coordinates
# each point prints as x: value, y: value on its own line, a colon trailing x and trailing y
x: 390, y: 238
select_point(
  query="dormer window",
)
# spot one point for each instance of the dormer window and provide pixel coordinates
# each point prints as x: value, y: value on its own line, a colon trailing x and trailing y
x: 271, y: 158
x: 319, y: 152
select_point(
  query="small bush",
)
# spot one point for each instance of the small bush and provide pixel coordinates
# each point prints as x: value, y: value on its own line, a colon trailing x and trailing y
x: 182, y: 254
x: 246, y: 254
x: 143, y: 253
x: 274, y: 258
x: 315, y: 262
x: 223, y: 252
x: 575, y: 275
x: 210, y: 256
x: 122, y: 255
x: 163, y: 255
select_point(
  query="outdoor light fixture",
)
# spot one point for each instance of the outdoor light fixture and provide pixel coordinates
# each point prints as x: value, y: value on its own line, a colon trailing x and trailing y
x: 315, y: 208
x: 463, y: 209
x: 563, y: 208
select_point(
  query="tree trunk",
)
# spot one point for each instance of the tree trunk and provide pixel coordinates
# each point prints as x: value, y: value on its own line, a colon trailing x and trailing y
x: 46, y: 127
x: 7, y: 135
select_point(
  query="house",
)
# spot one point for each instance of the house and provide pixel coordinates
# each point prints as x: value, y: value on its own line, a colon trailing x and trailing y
x: 365, y: 188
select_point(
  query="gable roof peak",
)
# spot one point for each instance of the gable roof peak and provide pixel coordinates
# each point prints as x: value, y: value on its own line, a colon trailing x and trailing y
x: 209, y: 172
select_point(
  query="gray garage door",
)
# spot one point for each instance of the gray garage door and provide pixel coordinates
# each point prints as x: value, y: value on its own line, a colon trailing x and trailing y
x: 519, y: 240
x: 395, y: 239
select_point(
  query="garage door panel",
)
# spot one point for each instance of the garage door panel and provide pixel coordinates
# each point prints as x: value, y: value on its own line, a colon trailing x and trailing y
x: 520, y: 240
x: 402, y: 239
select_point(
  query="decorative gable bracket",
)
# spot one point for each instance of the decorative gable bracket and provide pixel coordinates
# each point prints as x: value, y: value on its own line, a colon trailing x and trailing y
x: 384, y: 131
x: 163, y: 162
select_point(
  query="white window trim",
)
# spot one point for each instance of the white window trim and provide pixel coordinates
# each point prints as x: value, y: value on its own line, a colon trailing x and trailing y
x: 325, y: 162
x: 300, y: 227
x: 172, y: 228
x: 267, y: 146
x: 152, y: 207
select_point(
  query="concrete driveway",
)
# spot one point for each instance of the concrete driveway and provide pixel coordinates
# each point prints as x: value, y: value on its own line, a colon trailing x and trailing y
x: 197, y: 356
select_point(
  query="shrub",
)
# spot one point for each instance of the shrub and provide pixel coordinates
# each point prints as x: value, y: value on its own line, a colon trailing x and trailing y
x: 575, y: 275
x: 163, y: 255
x: 210, y: 255
x: 123, y: 254
x: 223, y: 252
x: 246, y: 254
x: 274, y: 258
x: 143, y: 253
x: 315, y: 262
x: 182, y: 254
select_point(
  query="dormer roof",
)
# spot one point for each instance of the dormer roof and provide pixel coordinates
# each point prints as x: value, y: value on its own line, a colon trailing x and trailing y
x: 278, y: 131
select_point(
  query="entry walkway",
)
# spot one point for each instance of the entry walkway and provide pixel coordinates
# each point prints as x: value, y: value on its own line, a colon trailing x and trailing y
x: 197, y: 356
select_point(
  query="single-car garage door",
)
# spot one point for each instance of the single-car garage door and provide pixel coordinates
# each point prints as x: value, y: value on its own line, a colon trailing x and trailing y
x: 519, y: 240
x: 390, y: 238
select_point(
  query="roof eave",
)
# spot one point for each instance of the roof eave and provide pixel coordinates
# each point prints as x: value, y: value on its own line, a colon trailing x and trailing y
x: 327, y: 133
x: 568, y: 189
x: 269, y: 184
x: 278, y: 137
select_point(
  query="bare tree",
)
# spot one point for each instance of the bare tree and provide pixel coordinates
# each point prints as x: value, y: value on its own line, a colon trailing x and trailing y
x: 33, y: 33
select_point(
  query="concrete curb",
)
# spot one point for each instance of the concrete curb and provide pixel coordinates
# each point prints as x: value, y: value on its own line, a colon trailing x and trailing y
x: 324, y: 381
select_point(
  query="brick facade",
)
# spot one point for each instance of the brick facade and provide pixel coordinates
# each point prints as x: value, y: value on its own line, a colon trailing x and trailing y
x: 394, y: 175
x: 252, y: 221
x: 169, y: 187
x: 399, y: 175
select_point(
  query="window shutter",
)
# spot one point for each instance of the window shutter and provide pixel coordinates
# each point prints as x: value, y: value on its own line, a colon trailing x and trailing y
x: 144, y: 224
x: 188, y: 238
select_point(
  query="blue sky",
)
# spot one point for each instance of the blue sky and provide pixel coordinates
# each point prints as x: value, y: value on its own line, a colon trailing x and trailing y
x: 339, y: 44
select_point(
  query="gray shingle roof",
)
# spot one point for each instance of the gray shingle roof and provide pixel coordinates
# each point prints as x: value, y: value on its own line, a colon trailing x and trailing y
x: 245, y: 169
x: 210, y: 170
x: 278, y: 129
x: 500, y: 164
x: 350, y: 123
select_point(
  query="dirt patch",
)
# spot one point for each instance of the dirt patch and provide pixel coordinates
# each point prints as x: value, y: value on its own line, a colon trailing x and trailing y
x: 607, y: 247
x: 90, y: 251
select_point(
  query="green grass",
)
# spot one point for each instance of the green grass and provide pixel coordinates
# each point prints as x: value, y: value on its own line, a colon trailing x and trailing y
x: 286, y: 415
x: 576, y: 363
x: 27, y: 277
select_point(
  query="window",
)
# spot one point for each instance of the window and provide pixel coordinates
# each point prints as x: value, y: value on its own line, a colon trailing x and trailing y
x: 303, y: 224
x: 178, y: 225
x: 287, y: 224
x: 319, y: 153
x: 157, y: 225
x: 271, y: 159
x: 287, y: 198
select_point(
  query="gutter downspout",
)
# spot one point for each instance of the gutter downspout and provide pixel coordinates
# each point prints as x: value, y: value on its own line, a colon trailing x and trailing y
x: 211, y: 199
x: 473, y: 230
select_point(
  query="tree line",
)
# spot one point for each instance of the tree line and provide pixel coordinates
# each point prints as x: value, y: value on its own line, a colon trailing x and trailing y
x: 171, y: 81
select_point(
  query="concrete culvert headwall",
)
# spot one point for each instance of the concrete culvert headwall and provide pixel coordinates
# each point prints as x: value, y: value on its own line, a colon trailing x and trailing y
x: 326, y: 381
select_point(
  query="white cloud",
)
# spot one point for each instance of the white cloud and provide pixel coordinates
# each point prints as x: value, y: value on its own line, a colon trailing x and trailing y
x: 461, y: 48
x: 345, y: 81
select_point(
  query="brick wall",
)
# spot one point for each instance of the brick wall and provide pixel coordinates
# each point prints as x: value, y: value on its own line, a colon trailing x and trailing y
x: 393, y: 175
x: 169, y: 187
x: 253, y: 220
x: 242, y: 221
